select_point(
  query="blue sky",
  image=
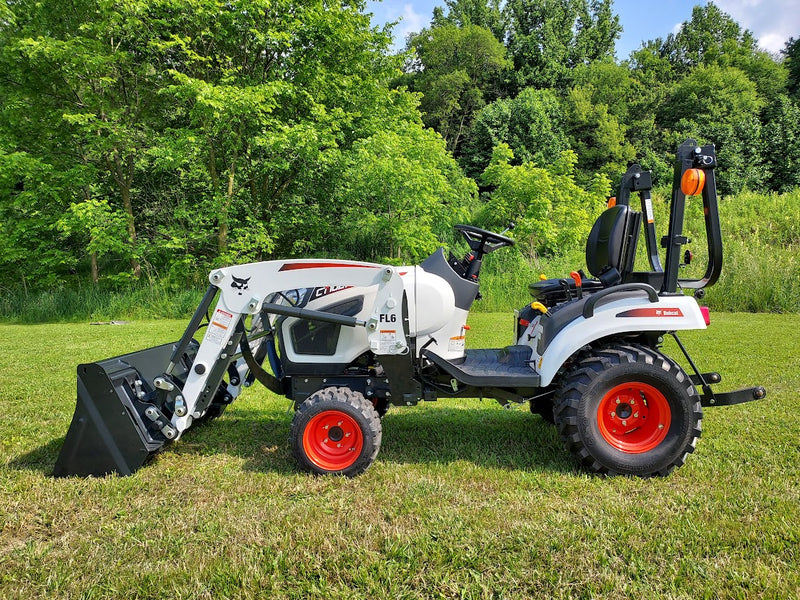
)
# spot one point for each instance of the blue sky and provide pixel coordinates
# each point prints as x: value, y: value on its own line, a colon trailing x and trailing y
x: 772, y: 21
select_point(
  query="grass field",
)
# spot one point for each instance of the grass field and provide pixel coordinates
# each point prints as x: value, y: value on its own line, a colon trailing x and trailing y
x: 465, y: 500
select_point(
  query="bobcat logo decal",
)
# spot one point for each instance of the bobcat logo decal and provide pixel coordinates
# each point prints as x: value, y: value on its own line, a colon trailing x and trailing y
x: 240, y: 284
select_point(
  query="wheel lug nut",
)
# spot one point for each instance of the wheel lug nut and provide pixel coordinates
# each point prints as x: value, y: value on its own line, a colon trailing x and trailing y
x: 338, y: 445
x: 635, y: 414
x: 661, y: 426
x: 325, y: 441
x: 624, y: 422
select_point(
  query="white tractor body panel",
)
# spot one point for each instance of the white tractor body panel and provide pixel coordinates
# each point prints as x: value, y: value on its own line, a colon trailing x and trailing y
x: 352, y: 341
x: 430, y: 302
x: 616, y: 317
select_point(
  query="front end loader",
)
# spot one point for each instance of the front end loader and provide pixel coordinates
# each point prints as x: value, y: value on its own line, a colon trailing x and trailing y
x: 345, y: 340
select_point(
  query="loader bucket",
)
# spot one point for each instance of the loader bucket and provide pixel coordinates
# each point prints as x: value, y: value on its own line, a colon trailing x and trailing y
x: 109, y: 432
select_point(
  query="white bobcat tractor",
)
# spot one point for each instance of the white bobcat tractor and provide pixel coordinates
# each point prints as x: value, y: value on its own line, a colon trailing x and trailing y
x: 344, y: 340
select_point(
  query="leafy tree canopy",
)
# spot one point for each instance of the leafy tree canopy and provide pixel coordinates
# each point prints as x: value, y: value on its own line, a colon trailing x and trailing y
x: 453, y: 67
x: 547, y: 39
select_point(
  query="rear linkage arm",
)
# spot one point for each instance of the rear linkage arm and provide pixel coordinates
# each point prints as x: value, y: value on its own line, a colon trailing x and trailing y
x: 704, y: 380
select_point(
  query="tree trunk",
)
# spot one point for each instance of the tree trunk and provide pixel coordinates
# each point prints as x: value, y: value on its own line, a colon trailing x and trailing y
x: 222, y: 236
x: 95, y: 269
x: 124, y: 177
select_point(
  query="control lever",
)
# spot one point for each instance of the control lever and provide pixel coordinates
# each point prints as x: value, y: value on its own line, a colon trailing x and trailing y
x: 576, y: 277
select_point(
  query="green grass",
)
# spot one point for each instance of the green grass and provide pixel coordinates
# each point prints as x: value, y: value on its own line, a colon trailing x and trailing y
x: 465, y: 500
x: 140, y: 301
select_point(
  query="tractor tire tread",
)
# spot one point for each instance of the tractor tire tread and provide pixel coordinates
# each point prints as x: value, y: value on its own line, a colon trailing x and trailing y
x: 585, y: 373
x: 347, y: 400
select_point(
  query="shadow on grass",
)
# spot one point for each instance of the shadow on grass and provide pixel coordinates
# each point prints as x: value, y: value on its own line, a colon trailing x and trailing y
x: 485, y: 437
x: 39, y: 460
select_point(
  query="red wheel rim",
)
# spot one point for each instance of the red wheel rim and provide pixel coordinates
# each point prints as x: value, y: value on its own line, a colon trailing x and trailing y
x: 634, y: 417
x: 332, y: 440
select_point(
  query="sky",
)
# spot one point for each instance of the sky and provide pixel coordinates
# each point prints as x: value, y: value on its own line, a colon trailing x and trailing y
x: 772, y: 22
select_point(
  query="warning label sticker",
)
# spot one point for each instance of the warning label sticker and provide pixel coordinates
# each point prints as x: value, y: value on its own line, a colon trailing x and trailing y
x: 218, y: 327
x: 648, y: 208
x: 387, y: 340
x: 457, y: 343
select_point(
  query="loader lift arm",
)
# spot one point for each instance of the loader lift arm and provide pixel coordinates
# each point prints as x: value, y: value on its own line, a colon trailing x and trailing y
x: 128, y: 407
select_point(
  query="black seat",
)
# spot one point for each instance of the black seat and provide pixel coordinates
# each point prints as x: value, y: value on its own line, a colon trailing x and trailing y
x: 607, y: 245
x: 610, y: 250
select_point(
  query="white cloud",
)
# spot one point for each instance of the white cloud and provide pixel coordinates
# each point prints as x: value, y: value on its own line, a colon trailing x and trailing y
x: 409, y: 20
x: 773, y: 22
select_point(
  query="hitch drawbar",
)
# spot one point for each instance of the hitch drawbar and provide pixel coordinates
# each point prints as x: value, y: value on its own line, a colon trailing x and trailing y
x: 119, y: 421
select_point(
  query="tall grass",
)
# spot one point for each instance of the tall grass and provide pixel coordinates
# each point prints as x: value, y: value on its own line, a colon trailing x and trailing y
x: 761, y: 270
x: 761, y: 250
x: 761, y: 256
x: 98, y: 304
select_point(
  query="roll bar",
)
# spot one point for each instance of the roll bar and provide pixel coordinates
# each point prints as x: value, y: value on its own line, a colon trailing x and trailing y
x: 689, y: 156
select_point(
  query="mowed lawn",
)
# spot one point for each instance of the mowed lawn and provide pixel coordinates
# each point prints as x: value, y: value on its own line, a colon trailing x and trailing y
x: 465, y: 500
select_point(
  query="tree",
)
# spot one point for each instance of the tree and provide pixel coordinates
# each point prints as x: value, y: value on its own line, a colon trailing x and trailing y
x: 532, y: 125
x: 791, y: 53
x: 712, y: 37
x: 210, y: 127
x: 77, y: 98
x: 596, y: 135
x: 551, y: 211
x: 721, y: 105
x: 463, y: 13
x: 782, y: 144
x: 452, y: 69
x: 732, y: 108
x: 547, y: 39
x: 401, y: 194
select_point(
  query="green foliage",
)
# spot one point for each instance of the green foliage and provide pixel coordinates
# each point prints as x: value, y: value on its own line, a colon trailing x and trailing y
x: 158, y: 139
x: 732, y: 99
x: 532, y: 125
x: 547, y: 40
x: 452, y: 67
x: 791, y: 53
x: 709, y: 37
x: 596, y: 135
x: 782, y: 137
x: 462, y: 13
x: 551, y: 212
x: 400, y: 194
x: 176, y: 135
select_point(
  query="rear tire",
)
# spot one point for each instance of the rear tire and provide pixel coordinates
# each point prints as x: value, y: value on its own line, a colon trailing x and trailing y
x: 336, y: 431
x: 629, y: 410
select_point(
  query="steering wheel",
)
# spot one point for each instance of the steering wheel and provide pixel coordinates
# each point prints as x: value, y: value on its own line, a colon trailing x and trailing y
x: 483, y: 242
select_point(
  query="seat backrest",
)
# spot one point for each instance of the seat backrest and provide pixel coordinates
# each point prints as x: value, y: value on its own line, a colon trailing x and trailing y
x: 606, y: 246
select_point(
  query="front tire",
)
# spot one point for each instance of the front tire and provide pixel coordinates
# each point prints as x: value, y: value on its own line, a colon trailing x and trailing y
x: 336, y: 431
x: 629, y: 410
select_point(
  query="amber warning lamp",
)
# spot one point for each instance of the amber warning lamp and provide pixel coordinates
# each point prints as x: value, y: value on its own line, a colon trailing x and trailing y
x: 692, y: 181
